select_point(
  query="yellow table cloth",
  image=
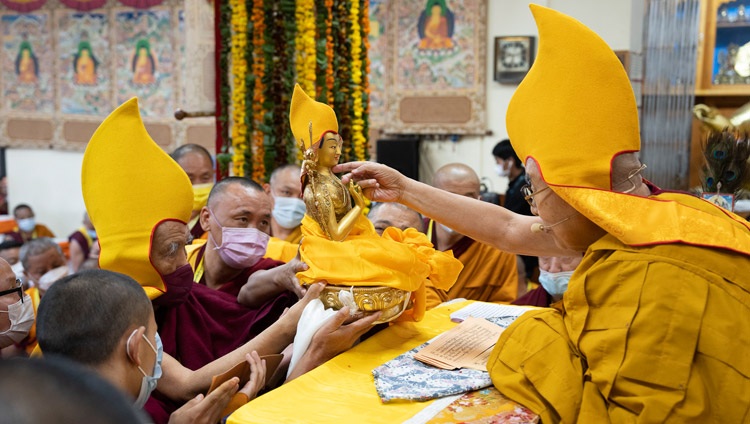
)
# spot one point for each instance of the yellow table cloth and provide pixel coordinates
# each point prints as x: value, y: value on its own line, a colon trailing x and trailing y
x: 342, y: 389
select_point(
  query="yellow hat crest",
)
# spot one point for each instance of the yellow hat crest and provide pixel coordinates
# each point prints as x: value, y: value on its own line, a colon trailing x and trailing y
x: 573, y: 114
x: 309, y: 119
x: 130, y: 185
x: 575, y: 109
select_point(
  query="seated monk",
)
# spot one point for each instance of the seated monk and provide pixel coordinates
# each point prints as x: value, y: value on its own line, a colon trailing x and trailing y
x: 198, y: 164
x: 554, y: 275
x: 384, y: 215
x: 648, y: 330
x: 26, y: 226
x: 81, y: 243
x: 143, y: 232
x: 16, y: 311
x: 237, y: 220
x: 489, y: 274
x: 288, y: 210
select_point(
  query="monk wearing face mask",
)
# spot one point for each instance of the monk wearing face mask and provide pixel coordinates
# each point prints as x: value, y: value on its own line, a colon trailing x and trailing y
x: 237, y: 219
x: 198, y: 164
x: 16, y: 310
x: 288, y: 210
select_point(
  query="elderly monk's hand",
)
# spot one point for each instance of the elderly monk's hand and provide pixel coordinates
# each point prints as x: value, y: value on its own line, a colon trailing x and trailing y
x: 206, y: 410
x: 337, y: 335
x: 379, y: 182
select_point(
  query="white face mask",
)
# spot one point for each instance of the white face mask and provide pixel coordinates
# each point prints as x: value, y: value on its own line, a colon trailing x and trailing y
x: 555, y: 283
x: 51, y: 276
x: 21, y: 316
x: 501, y: 170
x: 148, y: 382
x: 288, y: 211
x: 26, y: 225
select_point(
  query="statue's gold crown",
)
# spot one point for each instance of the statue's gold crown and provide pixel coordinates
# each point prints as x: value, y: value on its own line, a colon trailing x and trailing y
x: 309, y: 119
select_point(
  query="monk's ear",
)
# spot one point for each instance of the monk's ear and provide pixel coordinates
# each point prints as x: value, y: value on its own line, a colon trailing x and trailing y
x: 205, y: 219
x: 267, y: 188
x: 133, y: 345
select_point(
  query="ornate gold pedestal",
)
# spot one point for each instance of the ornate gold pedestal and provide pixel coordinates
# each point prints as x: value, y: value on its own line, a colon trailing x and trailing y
x: 392, y: 302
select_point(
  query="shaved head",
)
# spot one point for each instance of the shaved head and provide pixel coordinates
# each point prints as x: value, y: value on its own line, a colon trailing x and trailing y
x: 457, y: 178
x: 384, y: 215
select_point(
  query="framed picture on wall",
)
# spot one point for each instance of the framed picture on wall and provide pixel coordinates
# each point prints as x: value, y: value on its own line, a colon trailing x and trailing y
x: 513, y: 58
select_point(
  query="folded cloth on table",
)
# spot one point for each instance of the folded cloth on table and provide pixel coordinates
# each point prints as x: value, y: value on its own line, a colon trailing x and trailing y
x: 405, y: 378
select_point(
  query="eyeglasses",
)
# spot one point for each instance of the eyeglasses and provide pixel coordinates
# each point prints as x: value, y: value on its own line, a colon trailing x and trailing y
x: 17, y: 289
x: 528, y: 194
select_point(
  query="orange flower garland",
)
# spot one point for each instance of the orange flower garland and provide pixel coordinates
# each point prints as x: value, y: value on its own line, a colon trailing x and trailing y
x: 358, y: 139
x: 259, y: 28
x: 329, y: 52
x: 239, y: 72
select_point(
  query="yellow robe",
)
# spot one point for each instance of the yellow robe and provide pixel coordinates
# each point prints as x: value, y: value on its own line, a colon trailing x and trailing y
x: 284, y: 250
x: 489, y: 275
x: 646, y: 334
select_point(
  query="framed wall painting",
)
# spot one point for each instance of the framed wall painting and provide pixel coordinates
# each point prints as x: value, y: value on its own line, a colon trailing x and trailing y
x: 514, y: 56
x: 435, y: 67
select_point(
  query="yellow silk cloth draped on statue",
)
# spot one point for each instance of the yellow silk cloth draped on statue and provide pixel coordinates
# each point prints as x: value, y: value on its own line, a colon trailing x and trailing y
x: 343, y: 389
x: 399, y: 259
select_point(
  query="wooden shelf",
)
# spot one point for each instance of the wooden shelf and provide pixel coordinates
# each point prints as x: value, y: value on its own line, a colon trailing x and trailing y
x: 725, y: 90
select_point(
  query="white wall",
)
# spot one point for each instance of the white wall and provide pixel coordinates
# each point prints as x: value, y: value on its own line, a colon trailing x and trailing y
x: 619, y: 22
x: 50, y: 180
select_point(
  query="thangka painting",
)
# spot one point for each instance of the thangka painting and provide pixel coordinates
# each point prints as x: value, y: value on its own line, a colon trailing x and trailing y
x: 377, y: 54
x: 436, y: 66
x: 27, y: 61
x: 146, y: 59
x: 84, y: 63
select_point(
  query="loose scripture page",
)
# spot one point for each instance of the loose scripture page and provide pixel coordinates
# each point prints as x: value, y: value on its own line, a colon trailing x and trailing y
x: 467, y: 345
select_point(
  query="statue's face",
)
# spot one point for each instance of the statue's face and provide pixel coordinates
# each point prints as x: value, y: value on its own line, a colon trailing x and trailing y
x: 85, y: 53
x: 25, y: 54
x: 330, y: 152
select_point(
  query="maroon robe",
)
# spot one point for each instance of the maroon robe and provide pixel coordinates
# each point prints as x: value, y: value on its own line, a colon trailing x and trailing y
x: 198, y: 325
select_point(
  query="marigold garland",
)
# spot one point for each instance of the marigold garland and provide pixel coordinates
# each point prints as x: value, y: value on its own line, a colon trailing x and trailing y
x: 305, y: 44
x: 322, y: 44
x: 329, y: 52
x: 355, y: 36
x: 239, y: 70
x: 365, y: 26
x: 259, y: 28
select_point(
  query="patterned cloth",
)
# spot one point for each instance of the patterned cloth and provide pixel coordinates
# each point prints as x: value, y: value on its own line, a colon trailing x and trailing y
x: 405, y: 378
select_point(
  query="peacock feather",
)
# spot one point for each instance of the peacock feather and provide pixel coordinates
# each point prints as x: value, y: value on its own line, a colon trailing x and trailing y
x: 726, y: 169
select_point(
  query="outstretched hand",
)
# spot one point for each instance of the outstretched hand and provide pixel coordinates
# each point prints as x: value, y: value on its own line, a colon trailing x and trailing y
x: 379, y: 182
x: 206, y: 409
x: 285, y: 276
x: 257, y: 375
x: 337, y: 335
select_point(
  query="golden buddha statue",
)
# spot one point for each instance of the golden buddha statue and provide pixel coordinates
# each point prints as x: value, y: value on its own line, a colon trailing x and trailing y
x: 364, y: 271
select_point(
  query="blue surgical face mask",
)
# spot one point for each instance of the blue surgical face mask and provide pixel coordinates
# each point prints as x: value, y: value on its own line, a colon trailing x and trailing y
x: 555, y: 283
x: 26, y: 225
x: 148, y: 383
x: 92, y: 234
x: 288, y: 211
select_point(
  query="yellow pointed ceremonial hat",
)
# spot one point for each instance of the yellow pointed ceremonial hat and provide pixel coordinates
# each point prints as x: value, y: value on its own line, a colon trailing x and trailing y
x: 575, y: 109
x: 309, y: 119
x: 573, y: 113
x: 130, y: 185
